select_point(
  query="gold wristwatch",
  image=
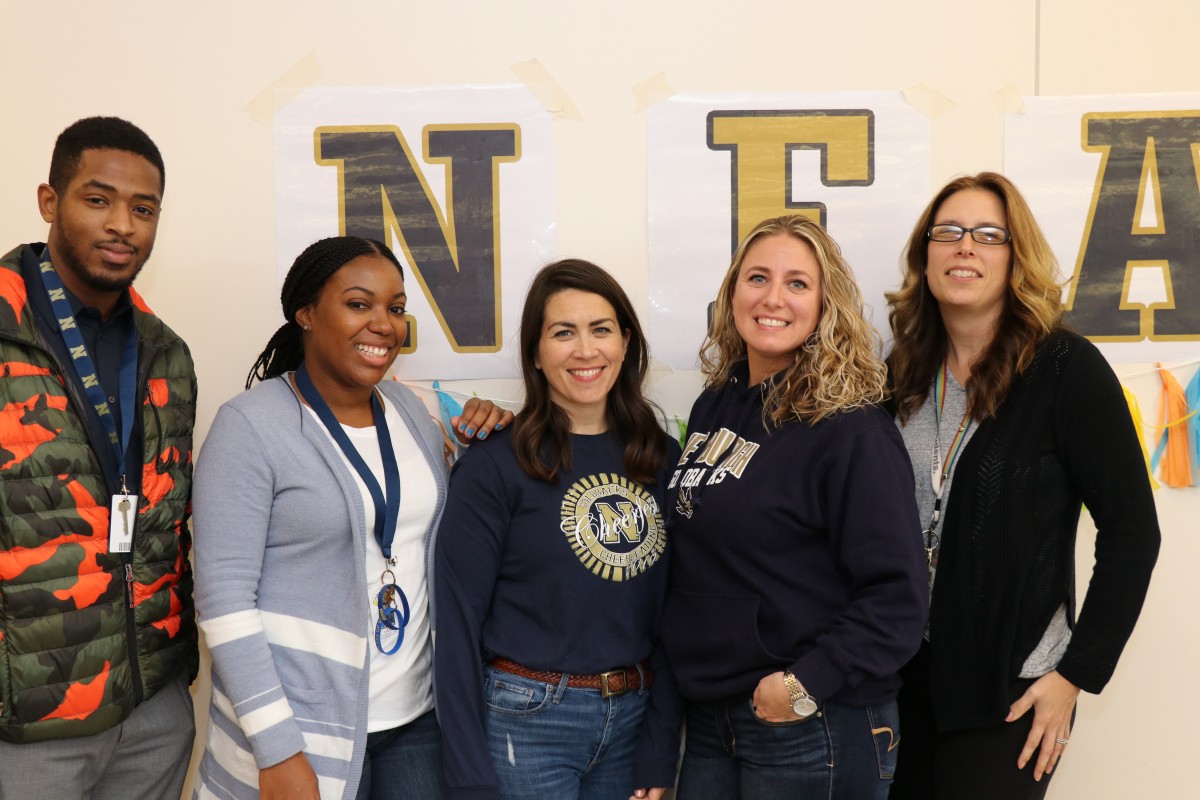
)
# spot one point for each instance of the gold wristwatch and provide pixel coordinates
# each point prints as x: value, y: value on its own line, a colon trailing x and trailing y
x: 802, y: 702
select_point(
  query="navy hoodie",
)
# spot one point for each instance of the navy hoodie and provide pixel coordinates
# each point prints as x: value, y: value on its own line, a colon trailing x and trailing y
x: 793, y: 548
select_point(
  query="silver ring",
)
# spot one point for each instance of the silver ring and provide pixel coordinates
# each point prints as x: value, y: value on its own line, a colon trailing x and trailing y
x: 1062, y: 741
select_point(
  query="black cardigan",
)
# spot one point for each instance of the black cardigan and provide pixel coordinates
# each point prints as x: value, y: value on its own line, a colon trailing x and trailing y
x: 1063, y: 437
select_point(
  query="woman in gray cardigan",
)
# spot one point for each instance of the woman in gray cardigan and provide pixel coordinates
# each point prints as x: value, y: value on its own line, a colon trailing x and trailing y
x: 312, y: 576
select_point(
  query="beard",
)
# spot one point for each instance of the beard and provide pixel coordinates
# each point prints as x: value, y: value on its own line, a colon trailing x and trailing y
x: 102, y: 277
x: 70, y: 256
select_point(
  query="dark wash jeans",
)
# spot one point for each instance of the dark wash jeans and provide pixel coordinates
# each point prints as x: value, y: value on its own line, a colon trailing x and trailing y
x: 845, y: 753
x: 404, y: 763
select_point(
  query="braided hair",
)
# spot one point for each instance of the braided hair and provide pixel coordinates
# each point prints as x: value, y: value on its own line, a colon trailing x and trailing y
x: 309, y: 273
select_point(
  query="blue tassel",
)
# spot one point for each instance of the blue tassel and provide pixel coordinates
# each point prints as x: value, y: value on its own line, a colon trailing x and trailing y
x: 1192, y: 394
x: 1159, y: 449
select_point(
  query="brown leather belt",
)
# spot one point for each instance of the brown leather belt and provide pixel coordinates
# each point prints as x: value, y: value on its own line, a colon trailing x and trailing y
x: 610, y: 684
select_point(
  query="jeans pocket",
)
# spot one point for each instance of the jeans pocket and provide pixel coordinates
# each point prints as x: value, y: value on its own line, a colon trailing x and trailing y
x: 788, y: 723
x: 885, y: 733
x: 516, y: 697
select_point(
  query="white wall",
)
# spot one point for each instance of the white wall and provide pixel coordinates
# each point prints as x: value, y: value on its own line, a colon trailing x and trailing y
x: 186, y: 74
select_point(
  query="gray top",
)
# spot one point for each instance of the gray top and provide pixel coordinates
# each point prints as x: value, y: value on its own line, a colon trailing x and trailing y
x: 919, y: 436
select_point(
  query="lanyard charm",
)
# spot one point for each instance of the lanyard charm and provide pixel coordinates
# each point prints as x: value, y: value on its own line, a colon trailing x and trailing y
x: 932, y: 543
x: 392, y: 617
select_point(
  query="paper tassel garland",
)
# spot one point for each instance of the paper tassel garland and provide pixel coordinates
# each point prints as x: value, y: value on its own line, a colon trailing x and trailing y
x: 1173, y: 418
x: 1136, y: 413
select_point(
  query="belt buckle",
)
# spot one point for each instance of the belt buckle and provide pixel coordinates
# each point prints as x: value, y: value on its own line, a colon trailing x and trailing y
x: 605, y: 690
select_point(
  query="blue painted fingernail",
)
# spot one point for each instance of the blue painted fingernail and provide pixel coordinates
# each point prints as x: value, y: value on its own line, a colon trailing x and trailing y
x: 470, y: 431
x: 499, y: 425
x: 482, y: 435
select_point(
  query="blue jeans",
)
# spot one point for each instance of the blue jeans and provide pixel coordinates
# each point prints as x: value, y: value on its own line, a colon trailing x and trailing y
x: 404, y: 763
x: 845, y: 753
x: 555, y: 741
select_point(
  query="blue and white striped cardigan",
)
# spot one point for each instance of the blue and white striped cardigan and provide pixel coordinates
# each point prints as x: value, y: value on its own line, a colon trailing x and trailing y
x: 280, y: 589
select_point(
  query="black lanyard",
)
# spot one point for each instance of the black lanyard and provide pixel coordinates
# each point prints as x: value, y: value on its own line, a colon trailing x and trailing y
x: 387, y: 508
x: 81, y: 362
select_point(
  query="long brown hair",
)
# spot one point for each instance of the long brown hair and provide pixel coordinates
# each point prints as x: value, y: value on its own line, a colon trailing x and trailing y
x: 837, y: 369
x: 1032, y: 308
x: 542, y: 430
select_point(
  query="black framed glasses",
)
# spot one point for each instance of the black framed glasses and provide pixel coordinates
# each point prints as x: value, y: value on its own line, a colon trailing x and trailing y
x: 984, y: 234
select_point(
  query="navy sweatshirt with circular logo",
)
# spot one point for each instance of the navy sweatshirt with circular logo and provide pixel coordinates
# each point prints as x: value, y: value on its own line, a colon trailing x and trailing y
x: 567, y: 576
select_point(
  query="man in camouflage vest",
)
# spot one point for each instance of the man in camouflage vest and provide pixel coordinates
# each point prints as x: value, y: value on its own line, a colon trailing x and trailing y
x: 97, y: 405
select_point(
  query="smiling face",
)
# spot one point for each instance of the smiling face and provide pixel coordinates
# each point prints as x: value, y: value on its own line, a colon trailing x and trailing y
x: 356, y: 327
x: 965, y: 276
x: 102, y: 226
x: 776, y: 301
x: 580, y: 353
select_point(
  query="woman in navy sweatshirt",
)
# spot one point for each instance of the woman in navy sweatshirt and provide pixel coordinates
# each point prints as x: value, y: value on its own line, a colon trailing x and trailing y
x: 551, y: 571
x: 797, y: 579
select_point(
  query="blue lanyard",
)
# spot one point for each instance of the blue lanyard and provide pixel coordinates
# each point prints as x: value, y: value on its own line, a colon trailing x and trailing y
x: 81, y: 362
x: 392, y: 617
x: 387, y: 509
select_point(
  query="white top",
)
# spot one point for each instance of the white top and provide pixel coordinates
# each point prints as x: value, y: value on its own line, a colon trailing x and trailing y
x: 401, y: 685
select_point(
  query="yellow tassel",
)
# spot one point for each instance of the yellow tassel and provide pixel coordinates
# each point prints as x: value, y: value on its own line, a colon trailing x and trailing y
x: 1136, y: 412
x: 1173, y: 415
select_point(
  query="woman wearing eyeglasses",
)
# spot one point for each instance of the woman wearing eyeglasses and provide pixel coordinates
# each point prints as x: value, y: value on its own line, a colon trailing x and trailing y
x: 1012, y: 422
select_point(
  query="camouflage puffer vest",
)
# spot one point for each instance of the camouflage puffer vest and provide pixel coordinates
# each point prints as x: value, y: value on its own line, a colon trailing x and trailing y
x: 86, y: 635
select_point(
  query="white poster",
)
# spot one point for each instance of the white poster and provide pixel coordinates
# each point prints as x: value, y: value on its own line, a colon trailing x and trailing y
x: 459, y: 182
x: 1113, y: 181
x: 720, y: 163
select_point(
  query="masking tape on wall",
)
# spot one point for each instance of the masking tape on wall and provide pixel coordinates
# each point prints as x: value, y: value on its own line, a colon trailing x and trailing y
x: 651, y: 91
x: 927, y: 100
x: 284, y: 89
x: 546, y: 89
x: 1009, y: 100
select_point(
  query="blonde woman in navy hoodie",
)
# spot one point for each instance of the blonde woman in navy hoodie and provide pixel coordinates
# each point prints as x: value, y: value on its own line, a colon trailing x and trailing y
x: 797, y: 581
